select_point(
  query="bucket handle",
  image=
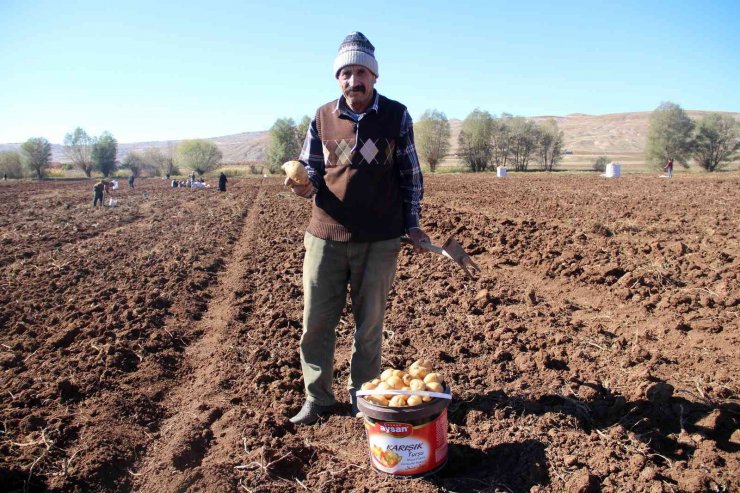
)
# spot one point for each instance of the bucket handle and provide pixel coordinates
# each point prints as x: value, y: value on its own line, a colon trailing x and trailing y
x: 420, y: 393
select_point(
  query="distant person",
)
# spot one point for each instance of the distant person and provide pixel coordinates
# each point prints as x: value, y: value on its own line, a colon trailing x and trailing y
x: 668, y: 168
x: 5, y: 177
x: 192, y: 177
x: 222, y: 182
x: 131, y: 181
x: 168, y: 176
x: 174, y: 183
x: 99, y: 189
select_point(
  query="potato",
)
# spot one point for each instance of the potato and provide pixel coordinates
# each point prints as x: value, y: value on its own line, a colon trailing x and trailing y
x: 378, y: 399
x: 375, y: 381
x: 417, y: 385
x: 397, y: 401
x: 398, y: 373
x: 406, y: 378
x: 413, y: 400
x: 369, y: 386
x: 422, y: 363
x: 386, y: 374
x: 385, y: 386
x: 296, y: 172
x: 432, y: 377
x: 418, y: 372
x: 435, y: 387
x: 395, y: 382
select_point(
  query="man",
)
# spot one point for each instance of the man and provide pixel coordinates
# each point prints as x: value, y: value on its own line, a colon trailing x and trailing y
x: 668, y: 168
x: 222, y: 182
x: 131, y: 181
x: 366, y: 185
x: 98, y: 190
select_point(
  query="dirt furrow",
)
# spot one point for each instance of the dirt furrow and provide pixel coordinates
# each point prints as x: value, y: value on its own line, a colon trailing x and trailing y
x: 198, y: 402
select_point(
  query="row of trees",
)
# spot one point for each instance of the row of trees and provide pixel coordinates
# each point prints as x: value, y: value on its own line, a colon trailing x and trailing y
x: 99, y: 154
x: 484, y: 142
x: 712, y: 142
x: 487, y: 141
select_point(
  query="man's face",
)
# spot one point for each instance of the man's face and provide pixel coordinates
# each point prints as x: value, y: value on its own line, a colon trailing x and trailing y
x: 357, y: 84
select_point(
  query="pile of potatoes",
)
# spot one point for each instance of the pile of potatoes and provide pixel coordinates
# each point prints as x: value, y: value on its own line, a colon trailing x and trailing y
x: 419, y: 377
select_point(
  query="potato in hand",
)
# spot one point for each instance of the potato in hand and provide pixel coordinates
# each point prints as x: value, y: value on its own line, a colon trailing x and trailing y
x: 296, y: 172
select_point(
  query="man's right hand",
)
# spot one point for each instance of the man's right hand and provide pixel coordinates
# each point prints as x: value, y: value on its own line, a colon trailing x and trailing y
x: 305, y: 191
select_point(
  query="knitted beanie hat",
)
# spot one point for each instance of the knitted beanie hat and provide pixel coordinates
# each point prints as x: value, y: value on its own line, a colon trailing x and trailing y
x: 356, y: 49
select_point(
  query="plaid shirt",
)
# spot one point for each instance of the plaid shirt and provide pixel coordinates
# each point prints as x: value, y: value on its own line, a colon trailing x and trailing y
x: 409, y: 171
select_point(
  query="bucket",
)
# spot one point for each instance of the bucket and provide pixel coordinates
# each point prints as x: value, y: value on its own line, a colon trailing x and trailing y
x: 501, y: 172
x: 613, y: 170
x: 407, y: 442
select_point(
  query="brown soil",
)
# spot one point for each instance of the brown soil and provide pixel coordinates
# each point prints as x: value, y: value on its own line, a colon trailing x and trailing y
x: 154, y: 346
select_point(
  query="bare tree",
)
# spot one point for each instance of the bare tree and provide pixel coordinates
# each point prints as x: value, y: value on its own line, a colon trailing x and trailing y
x: 523, y: 142
x: 78, y: 149
x: 549, y: 144
x: 162, y: 160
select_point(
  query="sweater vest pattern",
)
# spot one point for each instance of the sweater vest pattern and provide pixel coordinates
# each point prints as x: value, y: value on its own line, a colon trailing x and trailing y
x: 360, y: 197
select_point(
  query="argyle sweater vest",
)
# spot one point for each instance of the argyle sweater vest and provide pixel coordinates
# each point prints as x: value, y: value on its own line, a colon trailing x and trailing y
x: 360, y: 196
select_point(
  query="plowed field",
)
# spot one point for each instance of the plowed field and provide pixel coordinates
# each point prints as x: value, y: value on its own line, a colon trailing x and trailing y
x: 153, y: 346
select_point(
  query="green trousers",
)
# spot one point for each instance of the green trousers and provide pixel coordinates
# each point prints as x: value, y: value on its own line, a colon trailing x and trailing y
x: 328, y: 268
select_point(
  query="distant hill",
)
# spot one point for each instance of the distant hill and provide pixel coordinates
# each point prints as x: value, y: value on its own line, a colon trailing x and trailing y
x: 617, y: 134
x: 247, y: 146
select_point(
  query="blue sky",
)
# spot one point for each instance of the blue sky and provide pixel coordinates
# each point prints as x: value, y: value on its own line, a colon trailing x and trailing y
x: 147, y: 70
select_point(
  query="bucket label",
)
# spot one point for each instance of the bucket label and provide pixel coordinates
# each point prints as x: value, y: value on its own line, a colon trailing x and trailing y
x: 403, y: 449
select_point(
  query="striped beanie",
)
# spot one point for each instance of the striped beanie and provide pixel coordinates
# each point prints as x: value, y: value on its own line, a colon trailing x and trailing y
x: 356, y: 49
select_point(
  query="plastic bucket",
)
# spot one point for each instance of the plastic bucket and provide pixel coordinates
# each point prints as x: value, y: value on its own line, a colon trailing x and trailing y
x: 406, y: 442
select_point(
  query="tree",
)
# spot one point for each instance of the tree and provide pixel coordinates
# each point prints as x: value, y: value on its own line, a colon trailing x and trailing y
x: 162, y: 160
x: 501, y: 140
x: 283, y: 145
x: 550, y: 144
x: 717, y: 139
x: 669, y: 136
x: 600, y: 163
x: 135, y: 162
x: 104, y: 150
x: 37, y: 155
x: 78, y: 149
x: 198, y: 155
x: 302, y: 130
x: 11, y: 164
x: 475, y: 140
x: 432, y: 137
x: 523, y: 141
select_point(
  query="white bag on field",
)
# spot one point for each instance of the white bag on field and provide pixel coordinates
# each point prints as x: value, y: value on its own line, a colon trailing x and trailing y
x: 112, y: 202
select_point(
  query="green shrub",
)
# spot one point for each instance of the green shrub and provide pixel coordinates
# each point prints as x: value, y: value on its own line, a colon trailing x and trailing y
x: 600, y: 163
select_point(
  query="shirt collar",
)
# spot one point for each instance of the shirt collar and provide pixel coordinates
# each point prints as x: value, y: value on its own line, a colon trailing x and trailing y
x: 343, y: 109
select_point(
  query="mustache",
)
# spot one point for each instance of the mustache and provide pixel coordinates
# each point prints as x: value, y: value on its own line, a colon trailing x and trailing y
x: 357, y: 88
